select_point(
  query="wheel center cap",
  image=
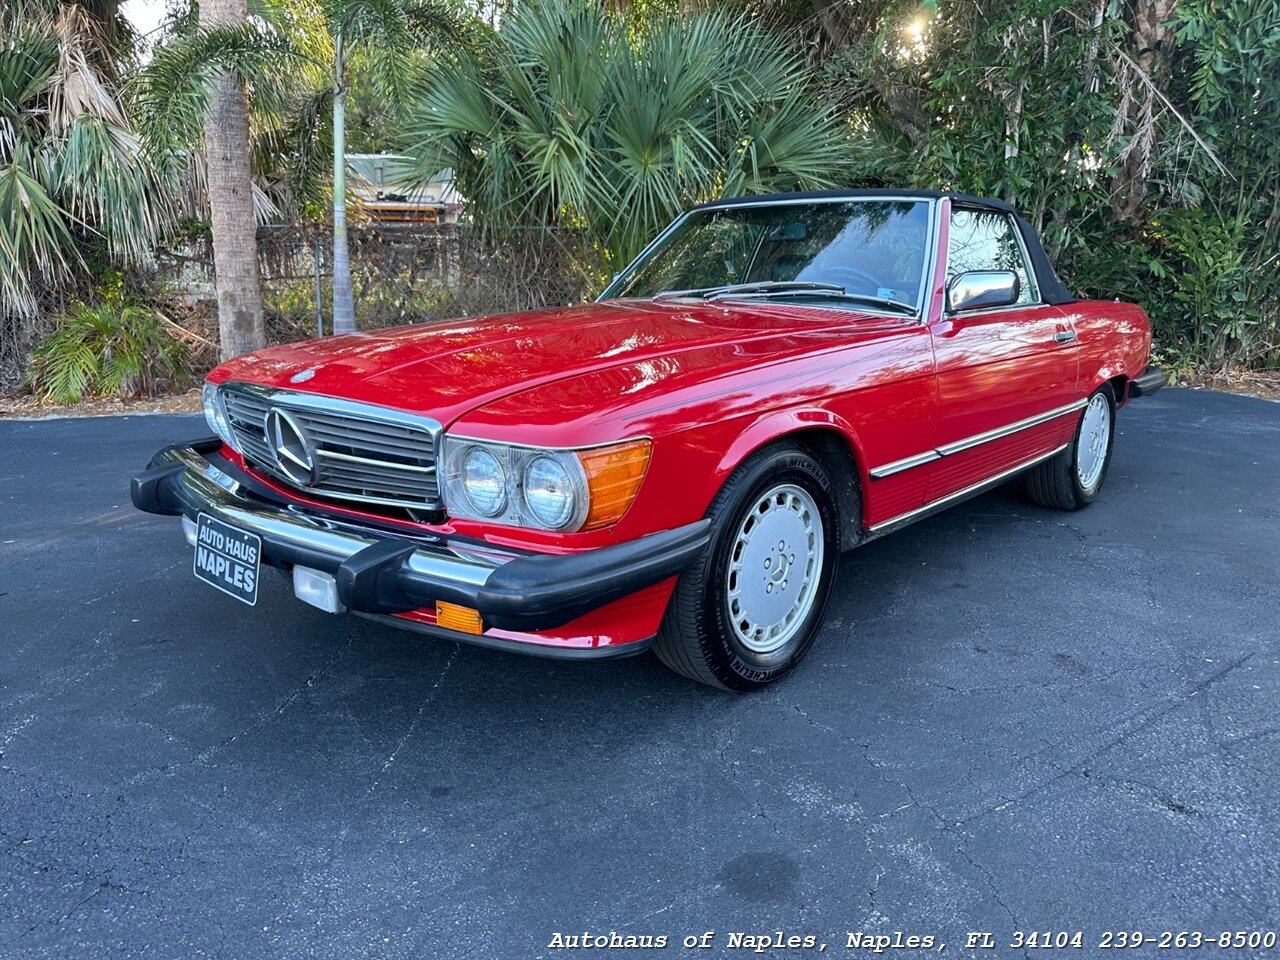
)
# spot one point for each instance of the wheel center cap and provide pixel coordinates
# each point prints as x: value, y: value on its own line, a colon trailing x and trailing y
x: 780, y: 566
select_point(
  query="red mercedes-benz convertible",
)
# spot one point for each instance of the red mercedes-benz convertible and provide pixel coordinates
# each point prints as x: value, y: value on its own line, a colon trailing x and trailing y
x: 680, y: 464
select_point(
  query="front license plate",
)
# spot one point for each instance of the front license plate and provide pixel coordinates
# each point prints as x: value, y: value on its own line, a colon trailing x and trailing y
x: 228, y: 558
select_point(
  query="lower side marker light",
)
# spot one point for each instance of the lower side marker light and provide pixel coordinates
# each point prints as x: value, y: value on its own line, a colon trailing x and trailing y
x: 451, y: 616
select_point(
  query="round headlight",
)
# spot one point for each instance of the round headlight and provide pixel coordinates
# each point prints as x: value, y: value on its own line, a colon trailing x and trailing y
x: 214, y: 415
x: 484, y: 481
x: 548, y: 491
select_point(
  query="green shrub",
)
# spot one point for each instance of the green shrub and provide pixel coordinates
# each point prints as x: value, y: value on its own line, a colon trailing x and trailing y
x: 106, y: 350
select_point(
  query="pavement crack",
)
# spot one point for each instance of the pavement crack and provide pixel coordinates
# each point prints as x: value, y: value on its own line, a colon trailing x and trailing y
x: 413, y: 726
x: 1161, y: 798
x: 205, y: 756
x: 1149, y: 715
x: 54, y: 921
x: 390, y: 760
x: 278, y: 710
x: 945, y: 827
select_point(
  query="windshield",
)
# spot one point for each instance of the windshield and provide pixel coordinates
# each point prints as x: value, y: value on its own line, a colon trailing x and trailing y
x: 855, y: 252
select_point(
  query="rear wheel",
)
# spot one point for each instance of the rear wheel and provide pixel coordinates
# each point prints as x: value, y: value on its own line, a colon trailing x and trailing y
x: 1072, y: 479
x: 748, y: 611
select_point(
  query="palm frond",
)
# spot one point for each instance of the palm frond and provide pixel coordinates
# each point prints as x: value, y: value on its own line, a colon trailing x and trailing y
x: 173, y: 91
x: 105, y: 350
x: 566, y: 117
x: 78, y: 88
x: 35, y: 240
x: 106, y: 182
x: 310, y: 135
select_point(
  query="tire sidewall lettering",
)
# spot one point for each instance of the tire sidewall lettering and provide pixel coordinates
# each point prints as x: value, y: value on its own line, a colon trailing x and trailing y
x: 789, y: 467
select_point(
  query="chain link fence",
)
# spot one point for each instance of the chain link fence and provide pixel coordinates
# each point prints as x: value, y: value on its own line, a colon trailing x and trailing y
x: 400, y: 274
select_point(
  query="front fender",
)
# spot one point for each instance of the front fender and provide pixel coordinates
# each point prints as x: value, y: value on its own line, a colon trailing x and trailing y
x: 782, y: 423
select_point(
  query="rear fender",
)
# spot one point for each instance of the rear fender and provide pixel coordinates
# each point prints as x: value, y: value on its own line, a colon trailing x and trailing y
x: 1108, y: 371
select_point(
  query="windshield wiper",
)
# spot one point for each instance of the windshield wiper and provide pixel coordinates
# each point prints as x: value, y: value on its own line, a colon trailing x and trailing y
x: 838, y: 293
x: 758, y: 286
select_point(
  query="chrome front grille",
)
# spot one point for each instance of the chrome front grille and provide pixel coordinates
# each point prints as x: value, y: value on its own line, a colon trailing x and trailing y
x: 362, y: 453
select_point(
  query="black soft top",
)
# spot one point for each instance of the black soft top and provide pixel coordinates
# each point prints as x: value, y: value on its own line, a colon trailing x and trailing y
x: 1052, y: 290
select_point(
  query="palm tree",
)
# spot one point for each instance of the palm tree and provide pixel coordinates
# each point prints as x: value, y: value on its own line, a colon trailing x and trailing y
x: 72, y: 166
x: 570, y: 117
x: 235, y: 230
x: 297, y: 55
x: 390, y: 31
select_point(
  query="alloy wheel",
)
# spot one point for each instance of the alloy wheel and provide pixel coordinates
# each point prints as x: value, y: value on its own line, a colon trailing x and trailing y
x: 1095, y: 438
x: 774, y: 568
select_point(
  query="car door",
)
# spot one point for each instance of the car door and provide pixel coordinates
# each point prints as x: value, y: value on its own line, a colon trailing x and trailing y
x: 1006, y: 376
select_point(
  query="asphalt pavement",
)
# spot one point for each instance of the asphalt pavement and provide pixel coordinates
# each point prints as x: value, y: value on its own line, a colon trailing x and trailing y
x: 1015, y: 719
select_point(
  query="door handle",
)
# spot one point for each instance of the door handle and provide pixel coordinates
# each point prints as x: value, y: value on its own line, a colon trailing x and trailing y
x: 1065, y: 336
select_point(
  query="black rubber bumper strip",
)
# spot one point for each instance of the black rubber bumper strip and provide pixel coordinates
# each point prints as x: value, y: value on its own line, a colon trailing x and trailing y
x: 1147, y: 382
x: 539, y: 591
x: 152, y: 492
x: 368, y: 580
x: 542, y: 591
x: 534, y: 591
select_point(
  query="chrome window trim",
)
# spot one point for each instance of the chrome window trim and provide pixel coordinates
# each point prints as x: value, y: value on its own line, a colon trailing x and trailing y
x: 968, y: 443
x: 922, y: 298
x: 1026, y: 265
x: 930, y: 278
x: 1026, y: 262
x: 990, y: 311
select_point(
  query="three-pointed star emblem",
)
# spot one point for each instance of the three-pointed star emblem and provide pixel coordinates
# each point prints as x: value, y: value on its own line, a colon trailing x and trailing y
x: 293, y: 453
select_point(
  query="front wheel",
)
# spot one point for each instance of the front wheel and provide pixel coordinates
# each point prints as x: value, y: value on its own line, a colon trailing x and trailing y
x: 1071, y: 480
x: 748, y: 610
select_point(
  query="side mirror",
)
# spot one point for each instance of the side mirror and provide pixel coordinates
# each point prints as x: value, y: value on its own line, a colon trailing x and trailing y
x: 982, y: 288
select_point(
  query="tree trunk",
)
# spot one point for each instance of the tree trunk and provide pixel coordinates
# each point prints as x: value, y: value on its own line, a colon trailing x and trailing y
x: 235, y: 236
x: 344, y: 311
x: 1149, y: 40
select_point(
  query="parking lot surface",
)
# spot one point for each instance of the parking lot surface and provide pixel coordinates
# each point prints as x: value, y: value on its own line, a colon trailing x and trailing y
x: 1015, y: 719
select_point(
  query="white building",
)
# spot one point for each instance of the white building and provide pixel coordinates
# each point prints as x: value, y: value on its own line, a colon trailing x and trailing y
x: 389, y: 191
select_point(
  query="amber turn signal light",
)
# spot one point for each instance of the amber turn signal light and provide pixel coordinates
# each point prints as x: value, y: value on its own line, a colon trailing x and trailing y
x: 451, y: 616
x: 614, y: 475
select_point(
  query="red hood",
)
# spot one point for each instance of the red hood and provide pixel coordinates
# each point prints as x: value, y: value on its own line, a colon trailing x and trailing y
x: 445, y: 369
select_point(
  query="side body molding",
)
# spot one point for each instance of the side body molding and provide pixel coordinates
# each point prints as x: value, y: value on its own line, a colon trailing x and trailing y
x: 968, y: 443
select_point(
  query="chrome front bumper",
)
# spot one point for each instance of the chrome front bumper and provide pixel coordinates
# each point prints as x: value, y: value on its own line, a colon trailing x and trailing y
x: 381, y: 571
